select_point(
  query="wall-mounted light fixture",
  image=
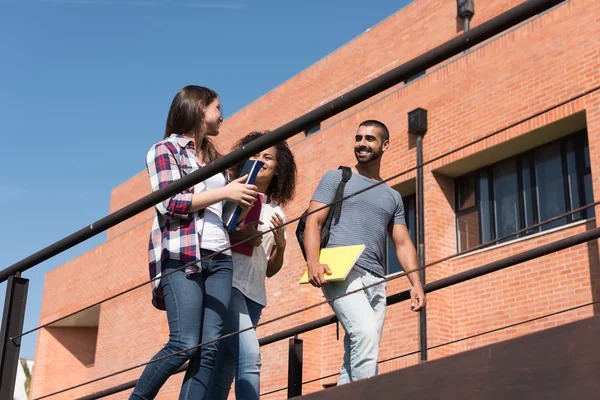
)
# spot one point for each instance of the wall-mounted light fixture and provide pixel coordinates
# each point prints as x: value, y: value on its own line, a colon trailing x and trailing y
x: 417, y: 121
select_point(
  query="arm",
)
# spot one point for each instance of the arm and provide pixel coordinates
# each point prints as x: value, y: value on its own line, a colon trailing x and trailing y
x: 275, y: 261
x: 312, y: 244
x: 276, y: 257
x: 162, y: 171
x: 244, y: 195
x: 248, y: 231
x: 202, y: 200
x: 407, y: 256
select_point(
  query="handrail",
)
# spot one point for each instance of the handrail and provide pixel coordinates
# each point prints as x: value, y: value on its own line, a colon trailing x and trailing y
x: 387, y: 80
x: 392, y: 177
x: 454, y: 341
x: 443, y: 283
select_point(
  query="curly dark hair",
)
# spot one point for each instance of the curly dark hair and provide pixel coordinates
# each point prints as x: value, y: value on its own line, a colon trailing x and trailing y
x: 283, y: 185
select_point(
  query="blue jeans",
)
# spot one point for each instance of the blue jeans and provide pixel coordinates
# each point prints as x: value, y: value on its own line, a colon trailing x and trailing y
x: 196, y: 310
x: 239, y: 355
x: 362, y: 315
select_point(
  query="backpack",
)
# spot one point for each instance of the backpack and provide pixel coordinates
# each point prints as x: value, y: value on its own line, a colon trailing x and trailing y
x: 334, y: 212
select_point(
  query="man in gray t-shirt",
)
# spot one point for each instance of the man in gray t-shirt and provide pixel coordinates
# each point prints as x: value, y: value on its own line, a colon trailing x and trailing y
x: 366, y: 218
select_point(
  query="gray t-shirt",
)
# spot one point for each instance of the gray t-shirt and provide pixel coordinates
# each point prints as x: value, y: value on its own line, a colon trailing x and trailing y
x: 365, y: 217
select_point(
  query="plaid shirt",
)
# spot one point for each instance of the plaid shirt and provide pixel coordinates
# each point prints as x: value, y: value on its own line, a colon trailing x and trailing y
x: 175, y: 231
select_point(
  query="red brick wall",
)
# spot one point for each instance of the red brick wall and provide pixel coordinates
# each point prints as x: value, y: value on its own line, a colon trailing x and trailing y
x: 125, y: 194
x: 65, y: 355
x: 541, y: 63
x: 419, y: 27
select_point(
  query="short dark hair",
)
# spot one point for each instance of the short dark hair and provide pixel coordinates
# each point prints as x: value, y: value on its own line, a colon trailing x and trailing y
x: 377, y: 124
x: 283, y: 185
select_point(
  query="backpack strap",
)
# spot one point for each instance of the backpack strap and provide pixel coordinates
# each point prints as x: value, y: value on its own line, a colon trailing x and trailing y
x: 337, y: 208
x: 346, y: 173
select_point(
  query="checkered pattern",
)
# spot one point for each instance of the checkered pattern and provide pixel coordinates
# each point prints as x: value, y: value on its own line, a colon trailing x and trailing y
x: 174, y: 230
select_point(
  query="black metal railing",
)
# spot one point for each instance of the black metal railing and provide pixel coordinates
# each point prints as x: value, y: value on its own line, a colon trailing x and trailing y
x: 391, y: 300
x: 295, y: 353
x: 16, y: 295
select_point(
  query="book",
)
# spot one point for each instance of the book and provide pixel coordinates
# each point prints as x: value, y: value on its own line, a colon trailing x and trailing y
x: 231, y: 210
x: 340, y: 261
x: 253, y: 215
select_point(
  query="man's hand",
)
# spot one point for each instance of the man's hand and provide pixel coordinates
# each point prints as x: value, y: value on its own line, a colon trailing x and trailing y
x: 249, y: 230
x: 316, y: 273
x: 417, y: 298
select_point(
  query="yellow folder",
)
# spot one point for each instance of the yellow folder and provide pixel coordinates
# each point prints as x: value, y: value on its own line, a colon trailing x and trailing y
x: 340, y: 261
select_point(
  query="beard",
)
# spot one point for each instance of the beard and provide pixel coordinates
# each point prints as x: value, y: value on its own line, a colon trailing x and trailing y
x: 371, y: 155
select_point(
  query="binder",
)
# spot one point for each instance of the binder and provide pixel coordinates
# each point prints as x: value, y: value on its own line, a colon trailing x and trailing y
x: 340, y: 261
x: 231, y: 211
x: 253, y: 215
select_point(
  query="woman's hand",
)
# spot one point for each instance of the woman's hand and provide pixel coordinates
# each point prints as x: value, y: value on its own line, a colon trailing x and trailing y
x: 250, y: 231
x: 279, y: 233
x: 244, y: 195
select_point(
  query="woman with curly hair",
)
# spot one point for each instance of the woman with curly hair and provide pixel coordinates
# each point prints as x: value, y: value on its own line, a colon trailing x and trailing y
x: 253, y: 261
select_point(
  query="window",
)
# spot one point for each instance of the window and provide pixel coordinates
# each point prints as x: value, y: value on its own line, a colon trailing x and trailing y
x: 410, y: 215
x: 521, y: 191
x: 312, y: 130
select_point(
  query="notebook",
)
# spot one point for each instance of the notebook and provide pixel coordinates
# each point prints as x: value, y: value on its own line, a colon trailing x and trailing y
x: 340, y: 261
x: 253, y: 215
x: 231, y: 211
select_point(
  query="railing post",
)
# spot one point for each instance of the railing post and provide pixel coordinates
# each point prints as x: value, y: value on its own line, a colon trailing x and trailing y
x: 295, y: 368
x: 417, y: 125
x: 12, y: 325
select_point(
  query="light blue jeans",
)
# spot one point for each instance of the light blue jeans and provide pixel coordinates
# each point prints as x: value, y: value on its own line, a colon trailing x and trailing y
x: 362, y: 315
x: 238, y: 355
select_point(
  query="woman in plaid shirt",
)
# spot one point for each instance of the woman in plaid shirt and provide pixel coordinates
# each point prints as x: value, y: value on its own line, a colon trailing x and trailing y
x: 187, y: 228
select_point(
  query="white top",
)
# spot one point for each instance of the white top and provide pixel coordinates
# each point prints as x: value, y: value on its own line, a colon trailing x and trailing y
x: 214, y: 236
x: 249, y: 273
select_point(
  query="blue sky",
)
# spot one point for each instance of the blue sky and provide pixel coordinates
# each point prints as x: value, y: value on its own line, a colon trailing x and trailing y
x: 85, y: 87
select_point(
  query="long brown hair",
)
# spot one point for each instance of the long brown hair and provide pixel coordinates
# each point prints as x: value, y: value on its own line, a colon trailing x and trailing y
x: 186, y: 116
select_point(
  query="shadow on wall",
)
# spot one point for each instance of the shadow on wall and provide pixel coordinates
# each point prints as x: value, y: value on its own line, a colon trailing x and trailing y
x: 79, y: 341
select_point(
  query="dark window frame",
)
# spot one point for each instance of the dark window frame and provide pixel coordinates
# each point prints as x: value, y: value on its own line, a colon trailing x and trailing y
x: 527, y: 159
